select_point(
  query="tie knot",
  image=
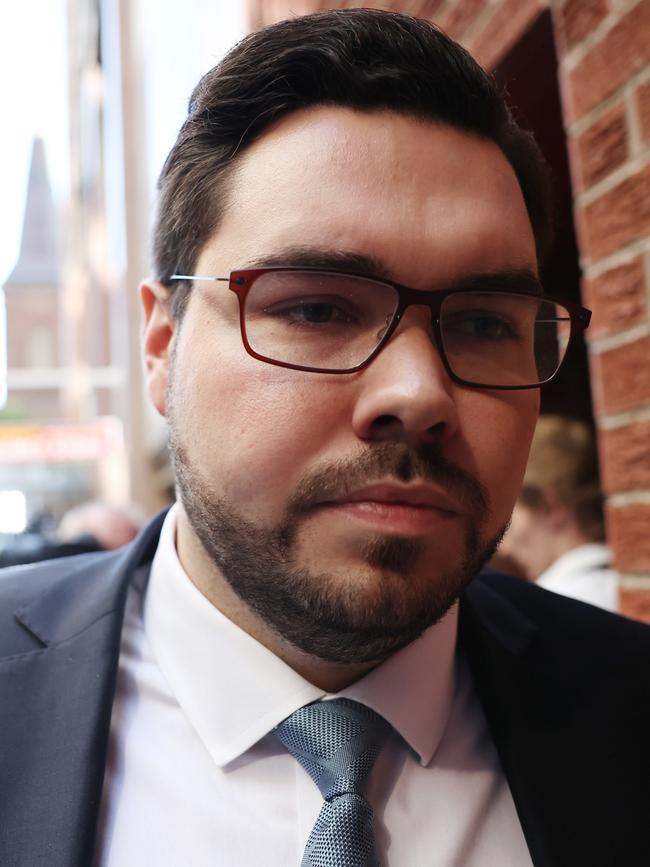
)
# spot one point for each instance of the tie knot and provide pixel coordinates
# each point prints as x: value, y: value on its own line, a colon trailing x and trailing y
x: 336, y: 742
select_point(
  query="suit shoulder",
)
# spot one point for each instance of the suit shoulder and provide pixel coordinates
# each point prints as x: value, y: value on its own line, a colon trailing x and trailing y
x: 19, y: 585
x: 560, y: 613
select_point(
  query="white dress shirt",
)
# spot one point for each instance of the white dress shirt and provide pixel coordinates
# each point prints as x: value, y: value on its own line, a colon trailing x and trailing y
x: 584, y: 574
x: 196, y: 779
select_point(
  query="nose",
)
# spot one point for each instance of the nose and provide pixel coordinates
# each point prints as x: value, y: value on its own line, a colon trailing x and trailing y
x: 406, y: 392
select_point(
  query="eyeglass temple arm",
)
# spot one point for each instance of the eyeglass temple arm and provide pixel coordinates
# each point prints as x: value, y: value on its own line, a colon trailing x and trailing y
x: 197, y: 277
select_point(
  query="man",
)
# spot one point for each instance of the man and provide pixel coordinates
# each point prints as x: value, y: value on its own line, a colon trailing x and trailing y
x: 557, y: 529
x: 346, y: 336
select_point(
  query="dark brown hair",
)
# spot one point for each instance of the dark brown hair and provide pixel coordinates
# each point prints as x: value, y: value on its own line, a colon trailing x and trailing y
x: 359, y: 58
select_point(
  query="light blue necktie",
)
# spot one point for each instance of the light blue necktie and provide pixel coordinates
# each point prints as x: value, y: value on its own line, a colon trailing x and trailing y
x: 337, y: 743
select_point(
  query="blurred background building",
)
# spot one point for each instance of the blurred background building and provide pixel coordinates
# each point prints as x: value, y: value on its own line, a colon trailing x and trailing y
x: 110, y: 81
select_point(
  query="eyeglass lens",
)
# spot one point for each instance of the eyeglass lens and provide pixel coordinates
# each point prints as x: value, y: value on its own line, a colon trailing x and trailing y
x: 334, y: 322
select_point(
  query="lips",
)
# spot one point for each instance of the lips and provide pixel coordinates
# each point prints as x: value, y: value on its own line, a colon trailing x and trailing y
x: 414, y: 496
x: 410, y: 511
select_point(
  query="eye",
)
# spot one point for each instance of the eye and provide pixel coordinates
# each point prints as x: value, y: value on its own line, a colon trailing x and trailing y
x: 316, y: 311
x: 481, y: 325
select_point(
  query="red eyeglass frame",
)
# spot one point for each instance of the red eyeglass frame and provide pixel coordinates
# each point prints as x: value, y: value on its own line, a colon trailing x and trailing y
x: 241, y: 281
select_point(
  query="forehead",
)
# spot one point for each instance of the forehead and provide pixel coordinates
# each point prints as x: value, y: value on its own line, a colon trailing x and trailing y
x: 417, y: 195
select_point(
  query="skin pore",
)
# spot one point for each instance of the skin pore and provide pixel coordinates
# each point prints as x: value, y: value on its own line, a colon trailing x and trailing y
x: 335, y: 517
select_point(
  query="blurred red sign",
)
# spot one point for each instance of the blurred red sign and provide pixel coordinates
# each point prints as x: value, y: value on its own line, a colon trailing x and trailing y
x: 59, y: 443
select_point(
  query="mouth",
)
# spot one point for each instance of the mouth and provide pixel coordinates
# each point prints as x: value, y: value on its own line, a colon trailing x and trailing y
x: 398, y: 510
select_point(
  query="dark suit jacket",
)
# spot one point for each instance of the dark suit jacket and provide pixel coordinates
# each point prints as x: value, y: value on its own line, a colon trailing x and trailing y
x: 564, y: 687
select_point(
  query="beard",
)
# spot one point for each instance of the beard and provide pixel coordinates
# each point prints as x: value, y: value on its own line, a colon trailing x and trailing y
x: 364, y: 612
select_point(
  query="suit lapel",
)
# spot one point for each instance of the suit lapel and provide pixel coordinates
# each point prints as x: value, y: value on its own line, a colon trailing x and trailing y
x: 487, y: 626
x: 544, y: 711
x: 545, y: 726
x: 55, y: 733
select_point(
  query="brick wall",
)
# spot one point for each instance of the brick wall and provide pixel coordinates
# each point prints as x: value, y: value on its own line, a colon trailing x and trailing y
x: 605, y: 81
x: 604, y: 50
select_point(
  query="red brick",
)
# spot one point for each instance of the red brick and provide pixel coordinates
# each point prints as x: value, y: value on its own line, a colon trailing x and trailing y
x: 625, y: 458
x: 460, y: 16
x: 643, y: 109
x: 578, y: 18
x: 617, y: 298
x: 601, y: 148
x: 635, y: 604
x: 627, y: 533
x: 263, y: 12
x: 425, y: 9
x: 621, y: 378
x: 618, y: 217
x: 508, y: 23
x: 420, y: 8
x: 610, y: 63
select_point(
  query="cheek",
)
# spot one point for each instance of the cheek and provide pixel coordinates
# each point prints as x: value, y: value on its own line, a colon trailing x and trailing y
x: 284, y: 427
x: 499, y: 437
x: 252, y: 429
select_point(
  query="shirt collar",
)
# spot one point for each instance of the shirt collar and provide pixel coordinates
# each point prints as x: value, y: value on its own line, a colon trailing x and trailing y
x: 413, y: 689
x: 234, y: 691
x: 575, y: 563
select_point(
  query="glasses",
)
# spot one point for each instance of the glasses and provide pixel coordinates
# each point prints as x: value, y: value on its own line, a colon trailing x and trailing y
x: 329, y: 322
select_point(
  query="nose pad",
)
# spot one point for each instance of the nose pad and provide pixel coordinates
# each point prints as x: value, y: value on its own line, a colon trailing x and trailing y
x: 382, y: 331
x: 406, y: 392
x: 413, y: 312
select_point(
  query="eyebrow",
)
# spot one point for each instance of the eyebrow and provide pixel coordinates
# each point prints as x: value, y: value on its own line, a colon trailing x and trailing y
x: 511, y: 280
x: 327, y: 259
x: 508, y: 280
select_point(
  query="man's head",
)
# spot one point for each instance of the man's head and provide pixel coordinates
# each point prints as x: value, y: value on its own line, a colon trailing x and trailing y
x: 339, y: 515
x: 560, y: 505
x: 362, y: 59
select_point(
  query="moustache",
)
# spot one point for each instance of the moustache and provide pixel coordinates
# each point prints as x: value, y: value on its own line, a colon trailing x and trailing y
x: 389, y: 460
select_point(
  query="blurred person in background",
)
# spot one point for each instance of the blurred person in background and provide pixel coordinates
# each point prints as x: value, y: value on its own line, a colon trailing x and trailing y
x: 110, y: 526
x: 557, y: 530
x: 84, y: 529
x: 299, y: 662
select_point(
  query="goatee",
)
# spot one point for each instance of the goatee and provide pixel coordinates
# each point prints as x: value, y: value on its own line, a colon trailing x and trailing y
x: 373, y: 610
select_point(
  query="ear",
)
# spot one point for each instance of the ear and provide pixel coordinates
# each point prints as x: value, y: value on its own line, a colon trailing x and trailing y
x: 157, y: 337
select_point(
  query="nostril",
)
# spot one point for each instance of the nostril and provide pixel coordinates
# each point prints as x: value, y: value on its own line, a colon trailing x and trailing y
x: 385, y: 420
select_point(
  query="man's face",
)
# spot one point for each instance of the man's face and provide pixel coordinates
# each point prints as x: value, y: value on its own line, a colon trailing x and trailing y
x: 347, y: 511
